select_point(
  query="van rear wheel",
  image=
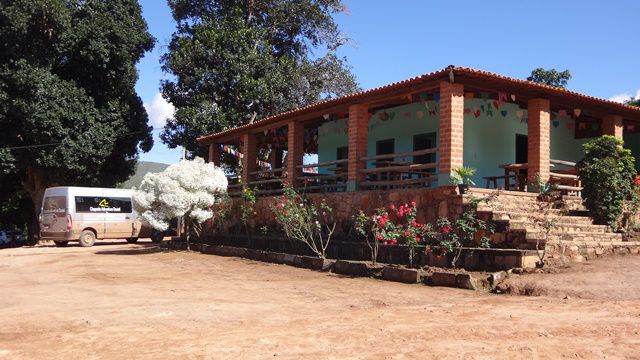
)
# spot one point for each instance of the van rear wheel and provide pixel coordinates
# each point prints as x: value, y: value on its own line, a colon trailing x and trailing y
x: 87, y: 238
x: 132, y: 240
x: 61, y: 243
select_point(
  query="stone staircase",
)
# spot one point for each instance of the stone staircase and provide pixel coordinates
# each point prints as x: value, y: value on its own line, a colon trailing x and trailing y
x: 573, y: 235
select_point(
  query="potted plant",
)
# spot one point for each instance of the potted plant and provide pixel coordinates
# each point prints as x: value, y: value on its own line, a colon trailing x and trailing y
x: 462, y: 177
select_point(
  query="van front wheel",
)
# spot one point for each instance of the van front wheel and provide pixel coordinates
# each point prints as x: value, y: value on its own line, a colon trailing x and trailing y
x: 132, y: 240
x: 87, y: 238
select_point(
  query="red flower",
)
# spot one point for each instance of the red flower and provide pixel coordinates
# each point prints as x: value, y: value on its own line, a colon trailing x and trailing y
x: 413, y: 204
x: 446, y: 229
x: 427, y: 250
x: 279, y: 205
x: 436, y: 247
x: 437, y: 257
x: 407, y: 233
x: 393, y: 241
x: 285, y: 182
x: 379, y: 237
x: 384, y: 243
x: 399, y: 214
x: 392, y: 207
x: 417, y: 238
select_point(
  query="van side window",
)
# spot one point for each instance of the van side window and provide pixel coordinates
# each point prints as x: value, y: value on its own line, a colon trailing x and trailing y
x: 92, y: 204
x: 55, y: 205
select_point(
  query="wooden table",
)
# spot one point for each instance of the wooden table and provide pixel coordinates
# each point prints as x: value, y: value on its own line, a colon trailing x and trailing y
x: 514, y: 171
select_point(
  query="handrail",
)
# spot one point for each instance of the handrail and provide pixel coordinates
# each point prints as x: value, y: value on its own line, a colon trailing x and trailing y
x: 403, y: 154
x: 562, y: 162
x: 401, y: 168
x: 268, y: 171
x: 326, y: 163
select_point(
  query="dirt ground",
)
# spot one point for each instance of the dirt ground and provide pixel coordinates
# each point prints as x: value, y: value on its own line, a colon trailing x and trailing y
x: 122, y: 301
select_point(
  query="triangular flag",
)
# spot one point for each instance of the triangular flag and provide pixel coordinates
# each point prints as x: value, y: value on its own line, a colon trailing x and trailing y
x: 513, y: 97
x: 326, y: 116
x: 467, y: 111
x: 556, y: 123
x: 504, y: 113
x: 420, y: 114
x: 582, y: 125
x: 577, y: 112
x: 468, y: 95
x: 569, y: 125
x: 484, y: 96
x: 476, y: 112
x: 562, y: 113
x: 520, y: 114
x: 496, y: 104
x: 407, y: 114
x: 502, y: 97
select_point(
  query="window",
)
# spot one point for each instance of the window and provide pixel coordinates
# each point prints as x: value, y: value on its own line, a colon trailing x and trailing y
x: 422, y: 142
x: 91, y: 204
x: 341, y: 154
x: 55, y: 205
x: 522, y: 149
x: 384, y: 147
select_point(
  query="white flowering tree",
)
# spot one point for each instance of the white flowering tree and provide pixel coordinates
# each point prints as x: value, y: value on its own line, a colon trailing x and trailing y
x: 187, y: 189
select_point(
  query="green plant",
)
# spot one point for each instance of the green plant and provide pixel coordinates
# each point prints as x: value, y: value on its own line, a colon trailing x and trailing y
x: 303, y: 220
x: 463, y: 175
x: 549, y: 210
x: 607, y: 172
x: 247, y: 211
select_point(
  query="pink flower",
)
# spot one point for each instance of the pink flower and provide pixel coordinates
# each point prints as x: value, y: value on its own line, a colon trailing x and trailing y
x: 407, y: 233
x: 437, y: 257
x: 384, y: 243
x: 392, y: 207
x: 417, y: 238
x: 279, y: 205
x: 379, y: 237
x: 399, y: 214
x: 393, y: 241
x: 413, y: 204
x: 427, y: 250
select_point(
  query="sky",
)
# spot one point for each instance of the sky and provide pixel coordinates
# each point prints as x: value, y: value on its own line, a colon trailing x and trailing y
x: 599, y: 42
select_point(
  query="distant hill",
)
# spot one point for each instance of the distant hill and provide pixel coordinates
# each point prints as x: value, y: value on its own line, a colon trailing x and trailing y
x: 142, y: 168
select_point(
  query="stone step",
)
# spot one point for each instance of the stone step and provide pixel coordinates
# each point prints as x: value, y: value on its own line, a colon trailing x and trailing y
x: 526, y: 216
x: 533, y: 236
x: 562, y: 228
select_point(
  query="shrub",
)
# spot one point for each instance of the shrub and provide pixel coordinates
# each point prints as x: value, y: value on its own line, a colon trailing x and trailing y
x: 303, y: 220
x: 188, y: 188
x: 607, y: 172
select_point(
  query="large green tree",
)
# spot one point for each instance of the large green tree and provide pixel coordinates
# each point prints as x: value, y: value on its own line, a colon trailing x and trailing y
x: 550, y: 77
x: 69, y: 113
x: 234, y: 61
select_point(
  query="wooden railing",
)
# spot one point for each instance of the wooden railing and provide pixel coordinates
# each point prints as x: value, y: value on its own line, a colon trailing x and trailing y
x: 334, y: 181
x: 268, y: 181
x: 235, y: 187
x: 566, y: 180
x: 394, y: 174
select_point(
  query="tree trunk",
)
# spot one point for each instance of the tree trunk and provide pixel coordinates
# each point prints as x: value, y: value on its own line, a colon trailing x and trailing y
x: 35, y: 186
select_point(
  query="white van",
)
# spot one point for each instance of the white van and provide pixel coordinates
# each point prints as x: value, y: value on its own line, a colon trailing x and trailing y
x: 85, y: 214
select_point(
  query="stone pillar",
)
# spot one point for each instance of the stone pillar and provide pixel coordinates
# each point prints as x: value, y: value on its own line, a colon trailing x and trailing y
x: 214, y: 154
x: 612, y: 125
x: 539, y: 144
x: 295, y: 151
x: 249, y: 157
x: 358, y: 142
x: 451, y: 136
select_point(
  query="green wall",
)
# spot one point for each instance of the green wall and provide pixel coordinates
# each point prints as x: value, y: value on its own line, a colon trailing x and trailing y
x: 632, y: 141
x: 489, y: 139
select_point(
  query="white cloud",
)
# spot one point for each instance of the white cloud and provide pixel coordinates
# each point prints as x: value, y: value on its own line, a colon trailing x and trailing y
x: 625, y: 96
x: 159, y: 110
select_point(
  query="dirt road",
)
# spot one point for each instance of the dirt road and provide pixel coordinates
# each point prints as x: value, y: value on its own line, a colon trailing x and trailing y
x: 132, y: 301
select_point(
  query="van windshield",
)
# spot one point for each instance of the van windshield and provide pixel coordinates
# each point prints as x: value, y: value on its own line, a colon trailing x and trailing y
x: 55, y: 205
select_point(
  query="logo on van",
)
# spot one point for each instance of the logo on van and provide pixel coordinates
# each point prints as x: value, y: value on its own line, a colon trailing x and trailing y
x: 104, y: 203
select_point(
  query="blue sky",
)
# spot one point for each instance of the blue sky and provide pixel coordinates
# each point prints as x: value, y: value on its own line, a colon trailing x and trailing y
x: 394, y: 40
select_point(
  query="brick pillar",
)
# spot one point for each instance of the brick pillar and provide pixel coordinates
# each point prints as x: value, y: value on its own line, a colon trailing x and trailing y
x: 295, y: 151
x: 612, y: 125
x: 451, y: 137
x: 358, y: 142
x: 214, y: 154
x: 249, y: 157
x: 539, y: 145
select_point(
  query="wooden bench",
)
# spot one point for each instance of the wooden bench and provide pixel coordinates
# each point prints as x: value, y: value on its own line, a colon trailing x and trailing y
x: 494, y: 180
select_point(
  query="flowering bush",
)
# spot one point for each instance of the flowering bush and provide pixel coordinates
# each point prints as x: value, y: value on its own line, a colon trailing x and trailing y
x: 398, y: 225
x: 303, y: 220
x: 188, y: 188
